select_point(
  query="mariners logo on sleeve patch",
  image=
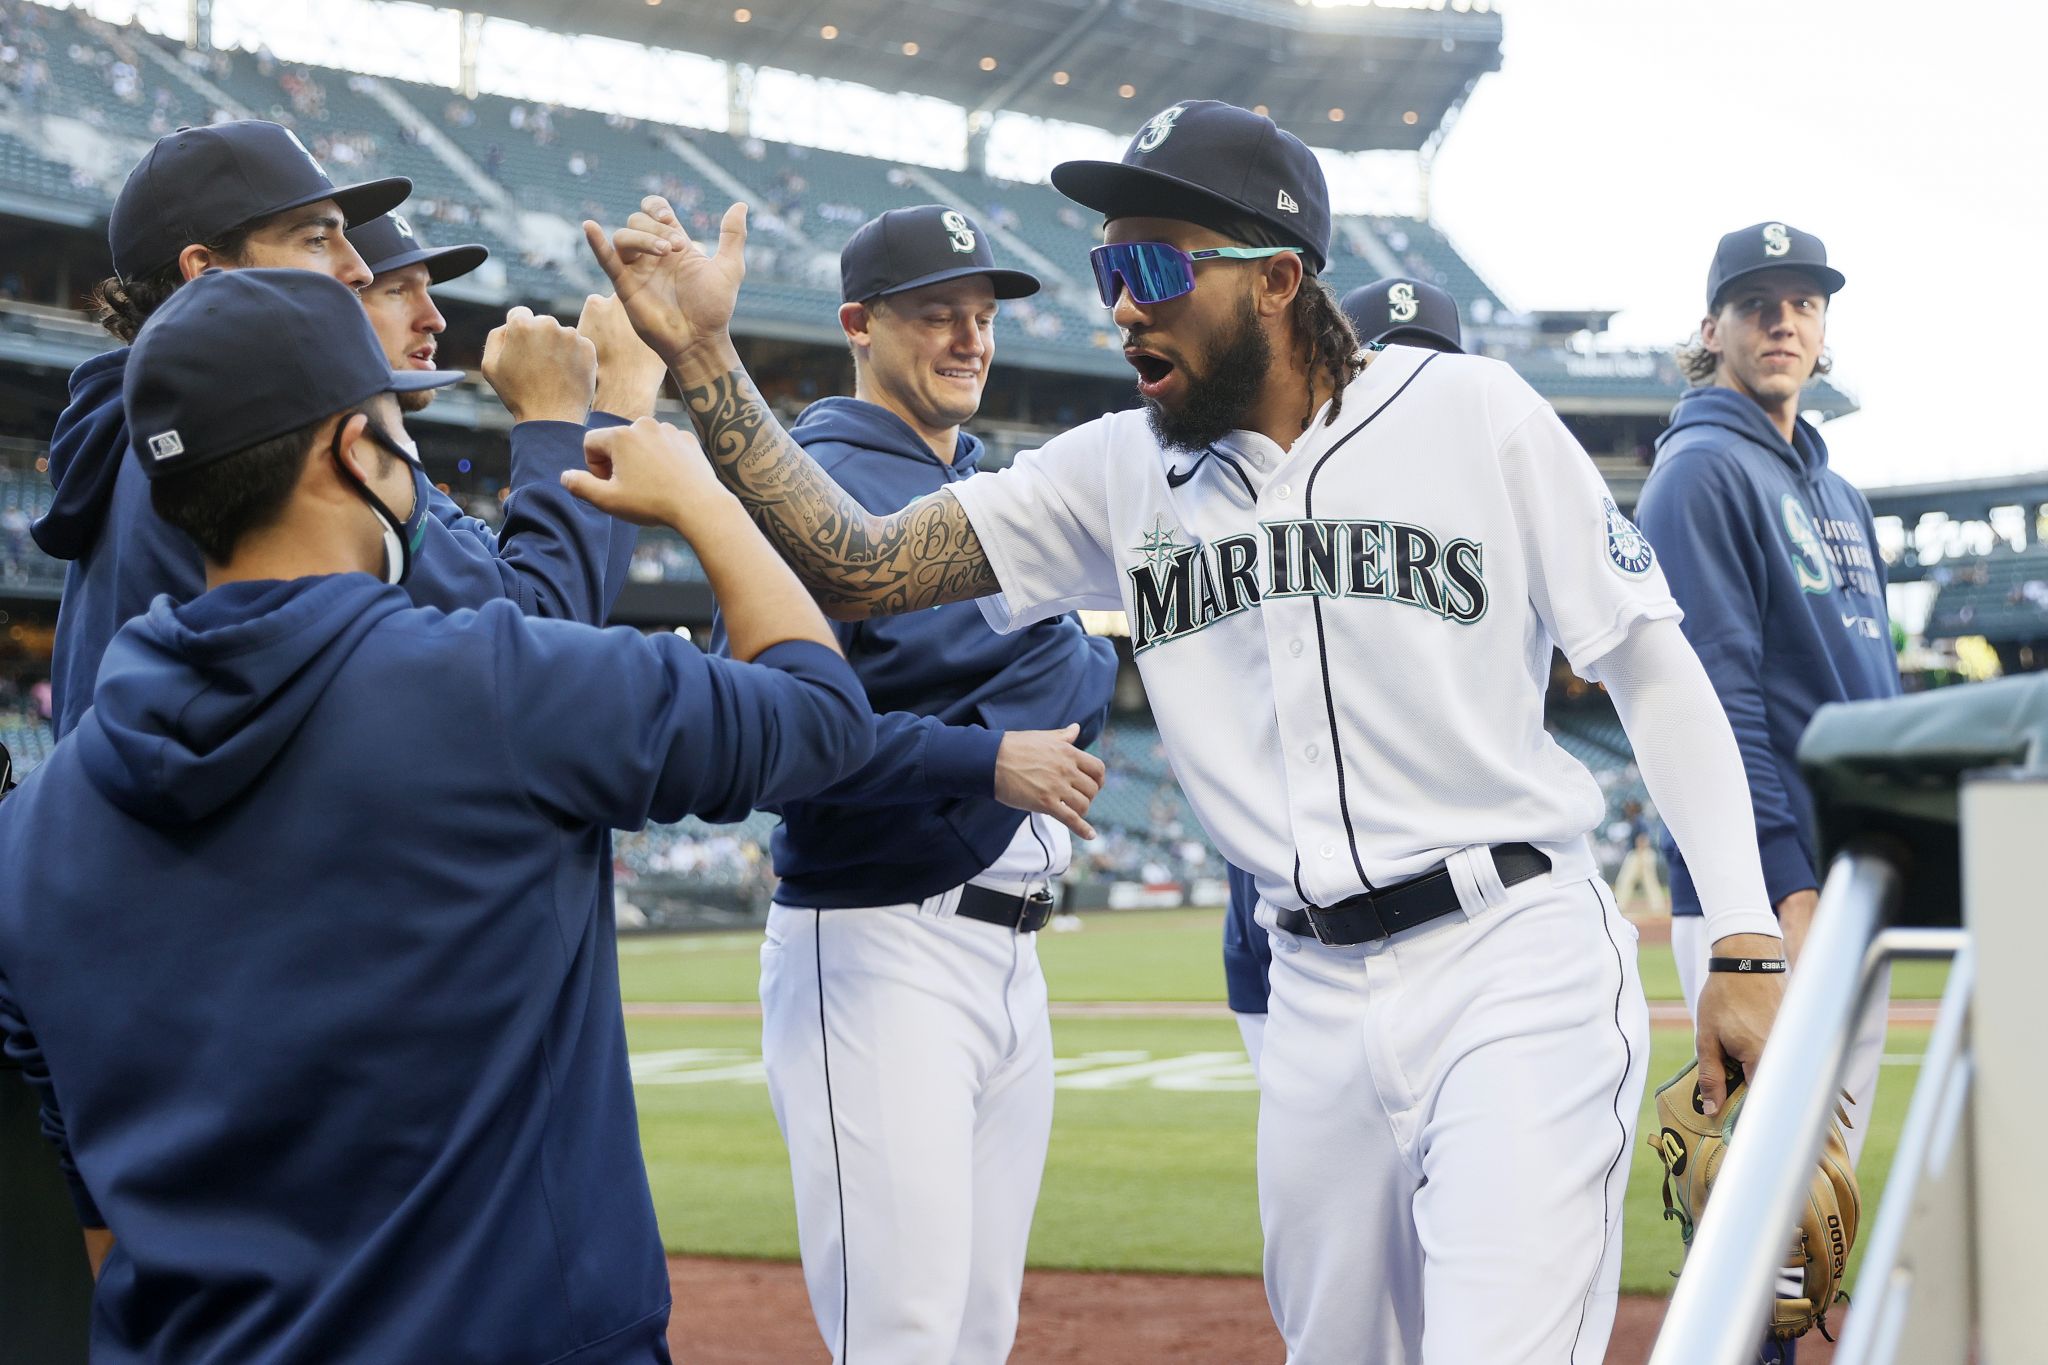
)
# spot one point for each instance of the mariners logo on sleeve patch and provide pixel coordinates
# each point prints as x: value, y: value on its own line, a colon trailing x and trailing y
x: 1628, y: 549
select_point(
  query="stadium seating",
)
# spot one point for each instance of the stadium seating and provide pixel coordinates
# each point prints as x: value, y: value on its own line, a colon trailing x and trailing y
x: 24, y: 171
x: 1426, y: 253
x: 571, y: 163
x: 24, y: 496
x: 2002, y: 597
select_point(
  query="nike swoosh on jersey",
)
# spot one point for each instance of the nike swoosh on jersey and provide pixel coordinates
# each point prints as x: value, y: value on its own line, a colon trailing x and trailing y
x: 1176, y: 477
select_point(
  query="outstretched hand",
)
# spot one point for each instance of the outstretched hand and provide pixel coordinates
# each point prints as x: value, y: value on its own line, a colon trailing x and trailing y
x: 677, y: 296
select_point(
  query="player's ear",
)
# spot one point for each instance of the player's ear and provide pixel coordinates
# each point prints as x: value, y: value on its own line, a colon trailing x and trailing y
x: 856, y: 321
x: 1710, y: 329
x: 354, y: 447
x: 1279, y: 282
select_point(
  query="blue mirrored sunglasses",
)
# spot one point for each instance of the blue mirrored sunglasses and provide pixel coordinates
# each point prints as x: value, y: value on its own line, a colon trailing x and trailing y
x: 1155, y: 271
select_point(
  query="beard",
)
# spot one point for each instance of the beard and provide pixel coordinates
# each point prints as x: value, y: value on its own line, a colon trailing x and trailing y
x: 414, y: 402
x: 1222, y: 391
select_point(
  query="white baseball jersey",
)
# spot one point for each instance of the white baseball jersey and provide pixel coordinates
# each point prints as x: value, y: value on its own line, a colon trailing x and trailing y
x: 1346, y: 642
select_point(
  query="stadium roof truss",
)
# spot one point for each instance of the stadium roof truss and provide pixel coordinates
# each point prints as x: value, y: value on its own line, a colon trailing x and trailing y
x: 1355, y: 77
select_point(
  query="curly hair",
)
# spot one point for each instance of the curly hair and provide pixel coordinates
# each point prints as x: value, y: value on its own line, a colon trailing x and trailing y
x: 1699, y: 365
x: 122, y: 306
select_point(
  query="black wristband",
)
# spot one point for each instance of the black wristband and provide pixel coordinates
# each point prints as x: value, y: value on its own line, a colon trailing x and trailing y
x: 1763, y: 966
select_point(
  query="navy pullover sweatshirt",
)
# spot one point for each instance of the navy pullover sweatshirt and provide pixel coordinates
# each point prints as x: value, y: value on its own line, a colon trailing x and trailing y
x: 921, y: 817
x: 557, y: 556
x: 1774, y: 559
x: 306, y: 942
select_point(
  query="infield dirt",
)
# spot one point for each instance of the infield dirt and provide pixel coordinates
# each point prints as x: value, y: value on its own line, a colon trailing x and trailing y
x: 755, y: 1313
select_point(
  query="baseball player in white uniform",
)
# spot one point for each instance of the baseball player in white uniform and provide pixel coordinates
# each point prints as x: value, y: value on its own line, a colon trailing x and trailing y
x: 1344, y: 573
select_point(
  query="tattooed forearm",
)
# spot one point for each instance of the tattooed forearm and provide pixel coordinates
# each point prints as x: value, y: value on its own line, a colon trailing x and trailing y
x: 854, y: 562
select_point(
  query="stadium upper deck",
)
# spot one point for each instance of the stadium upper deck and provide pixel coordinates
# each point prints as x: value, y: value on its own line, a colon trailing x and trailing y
x: 79, y: 100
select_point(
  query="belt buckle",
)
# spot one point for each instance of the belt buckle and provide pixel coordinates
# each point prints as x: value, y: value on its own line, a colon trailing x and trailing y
x: 1035, y: 911
x: 1327, y: 934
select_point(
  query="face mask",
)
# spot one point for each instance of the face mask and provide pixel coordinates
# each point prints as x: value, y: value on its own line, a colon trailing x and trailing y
x: 401, y: 538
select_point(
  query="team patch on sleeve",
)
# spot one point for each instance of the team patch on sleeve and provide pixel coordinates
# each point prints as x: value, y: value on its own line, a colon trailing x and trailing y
x: 1628, y: 549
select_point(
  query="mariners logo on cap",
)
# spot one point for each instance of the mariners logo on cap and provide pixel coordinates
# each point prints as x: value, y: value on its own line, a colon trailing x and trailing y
x: 958, y: 231
x: 1627, y: 548
x: 1401, y: 304
x: 1777, y: 239
x: 166, y: 445
x: 311, y: 160
x: 404, y: 228
x: 1158, y: 127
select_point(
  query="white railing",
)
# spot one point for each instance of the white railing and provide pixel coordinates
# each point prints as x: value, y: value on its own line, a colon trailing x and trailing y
x: 1717, y: 1312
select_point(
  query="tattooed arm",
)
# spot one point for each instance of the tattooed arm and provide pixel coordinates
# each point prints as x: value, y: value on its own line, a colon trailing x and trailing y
x: 857, y: 564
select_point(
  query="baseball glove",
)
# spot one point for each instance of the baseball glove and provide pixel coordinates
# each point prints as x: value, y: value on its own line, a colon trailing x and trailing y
x: 1692, y: 1147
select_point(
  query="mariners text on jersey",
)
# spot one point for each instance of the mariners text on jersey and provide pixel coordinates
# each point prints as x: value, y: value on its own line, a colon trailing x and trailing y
x: 1179, y: 589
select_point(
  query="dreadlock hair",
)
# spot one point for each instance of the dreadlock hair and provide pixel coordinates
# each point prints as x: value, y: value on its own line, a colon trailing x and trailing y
x: 1328, y: 344
x: 122, y: 306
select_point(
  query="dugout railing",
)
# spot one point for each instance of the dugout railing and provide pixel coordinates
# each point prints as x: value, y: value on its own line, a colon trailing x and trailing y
x: 1934, y: 808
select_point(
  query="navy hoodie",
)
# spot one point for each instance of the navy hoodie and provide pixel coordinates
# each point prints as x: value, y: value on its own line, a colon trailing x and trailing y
x: 1774, y: 559
x: 557, y: 555
x: 921, y: 817
x: 306, y: 941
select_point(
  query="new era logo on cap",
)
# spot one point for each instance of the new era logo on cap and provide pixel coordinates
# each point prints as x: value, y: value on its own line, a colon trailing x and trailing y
x: 166, y: 445
x: 1287, y: 204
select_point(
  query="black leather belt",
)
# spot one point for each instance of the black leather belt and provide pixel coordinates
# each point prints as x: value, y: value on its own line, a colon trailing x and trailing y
x: 1026, y: 912
x: 1376, y: 914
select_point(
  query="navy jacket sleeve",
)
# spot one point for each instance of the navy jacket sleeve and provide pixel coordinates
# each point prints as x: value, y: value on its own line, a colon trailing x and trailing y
x: 614, y: 728
x: 557, y: 556
x: 1697, y: 518
x: 19, y: 1044
x: 918, y: 759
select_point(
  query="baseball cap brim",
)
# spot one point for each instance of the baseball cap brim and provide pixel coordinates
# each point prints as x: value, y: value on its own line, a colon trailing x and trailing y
x: 1827, y: 277
x: 444, y: 263
x: 1009, y: 284
x: 1116, y: 190
x: 1398, y: 336
x: 414, y: 381
x: 358, y: 203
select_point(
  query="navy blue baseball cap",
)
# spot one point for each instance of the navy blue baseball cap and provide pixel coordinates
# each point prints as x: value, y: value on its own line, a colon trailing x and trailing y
x: 1404, y: 311
x: 387, y: 242
x: 1203, y: 161
x: 198, y: 183
x: 1769, y: 246
x: 911, y: 248
x: 239, y: 357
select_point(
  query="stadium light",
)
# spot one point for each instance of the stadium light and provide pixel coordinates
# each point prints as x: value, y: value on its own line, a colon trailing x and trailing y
x: 1060, y: 78
x: 1336, y: 116
x: 1127, y: 90
x: 1410, y: 118
x: 829, y: 32
x: 1262, y: 111
x: 741, y: 16
x: 910, y: 49
x: 988, y: 63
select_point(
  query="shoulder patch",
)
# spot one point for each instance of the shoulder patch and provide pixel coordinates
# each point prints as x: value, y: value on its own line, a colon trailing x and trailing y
x: 1628, y: 549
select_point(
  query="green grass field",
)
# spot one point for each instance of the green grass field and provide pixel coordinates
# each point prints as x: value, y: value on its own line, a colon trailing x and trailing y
x: 1150, y: 1168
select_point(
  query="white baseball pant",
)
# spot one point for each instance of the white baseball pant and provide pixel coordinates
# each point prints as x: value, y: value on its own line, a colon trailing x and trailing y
x: 1445, y: 1125
x: 909, y: 1060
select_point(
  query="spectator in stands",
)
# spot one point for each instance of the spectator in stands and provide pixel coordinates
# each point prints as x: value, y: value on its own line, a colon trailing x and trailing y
x: 1638, y: 890
x: 248, y: 194
x: 930, y: 868
x: 382, y: 1100
x: 1772, y: 555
